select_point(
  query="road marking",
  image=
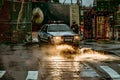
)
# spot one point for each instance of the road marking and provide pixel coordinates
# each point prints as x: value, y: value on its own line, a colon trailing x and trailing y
x: 118, y: 64
x: 87, y: 71
x: 2, y: 73
x: 32, y: 75
x: 113, y: 74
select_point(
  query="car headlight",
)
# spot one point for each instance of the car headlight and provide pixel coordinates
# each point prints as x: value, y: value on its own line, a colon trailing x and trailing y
x: 57, y: 38
x: 76, y: 37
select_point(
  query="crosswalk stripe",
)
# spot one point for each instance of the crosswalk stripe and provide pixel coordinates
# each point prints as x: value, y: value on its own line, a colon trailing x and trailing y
x: 2, y: 73
x: 113, y: 74
x: 118, y: 64
x: 88, y: 72
x: 32, y: 75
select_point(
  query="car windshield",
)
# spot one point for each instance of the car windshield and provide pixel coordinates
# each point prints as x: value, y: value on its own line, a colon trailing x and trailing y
x: 58, y: 27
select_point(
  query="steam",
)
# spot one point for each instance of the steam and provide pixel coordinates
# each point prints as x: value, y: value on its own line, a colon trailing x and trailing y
x: 69, y: 53
x: 55, y: 61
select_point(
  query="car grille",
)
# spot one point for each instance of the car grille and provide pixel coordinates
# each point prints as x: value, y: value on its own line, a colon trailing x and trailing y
x: 68, y: 38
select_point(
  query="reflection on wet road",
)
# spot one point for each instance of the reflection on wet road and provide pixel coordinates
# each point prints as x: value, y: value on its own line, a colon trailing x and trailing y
x: 65, y: 63
x: 61, y: 62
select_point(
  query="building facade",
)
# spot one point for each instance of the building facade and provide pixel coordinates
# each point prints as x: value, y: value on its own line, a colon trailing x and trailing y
x: 19, y: 18
x: 117, y: 24
x: 15, y: 21
x: 104, y: 27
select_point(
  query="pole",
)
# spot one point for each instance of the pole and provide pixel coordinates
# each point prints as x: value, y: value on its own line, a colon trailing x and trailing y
x: 71, y: 2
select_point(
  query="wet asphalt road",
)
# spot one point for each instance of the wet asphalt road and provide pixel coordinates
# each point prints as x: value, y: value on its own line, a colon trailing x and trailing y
x: 60, y: 63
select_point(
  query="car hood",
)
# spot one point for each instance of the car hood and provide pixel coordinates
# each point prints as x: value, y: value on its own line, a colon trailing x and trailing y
x: 68, y: 33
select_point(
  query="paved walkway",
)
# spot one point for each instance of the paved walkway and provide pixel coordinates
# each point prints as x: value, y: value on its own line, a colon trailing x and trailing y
x: 110, y: 45
x: 103, y: 44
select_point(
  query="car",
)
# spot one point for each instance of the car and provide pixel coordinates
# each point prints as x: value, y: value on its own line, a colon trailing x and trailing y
x: 58, y: 34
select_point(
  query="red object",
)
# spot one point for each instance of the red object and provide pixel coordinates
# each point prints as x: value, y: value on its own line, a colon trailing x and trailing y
x: 82, y: 28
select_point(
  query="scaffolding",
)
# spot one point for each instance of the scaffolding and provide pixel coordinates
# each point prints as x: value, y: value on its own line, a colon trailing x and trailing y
x: 21, y: 25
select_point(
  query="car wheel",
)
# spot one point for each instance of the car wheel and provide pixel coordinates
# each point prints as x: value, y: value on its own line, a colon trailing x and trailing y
x: 39, y: 40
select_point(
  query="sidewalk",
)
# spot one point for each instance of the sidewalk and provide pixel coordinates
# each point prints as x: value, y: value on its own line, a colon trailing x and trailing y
x: 102, y: 41
x: 105, y: 45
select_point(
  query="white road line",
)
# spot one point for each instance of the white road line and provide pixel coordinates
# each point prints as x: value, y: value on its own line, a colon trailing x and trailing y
x: 32, y: 75
x: 118, y: 64
x: 87, y: 71
x: 113, y: 74
x: 2, y: 73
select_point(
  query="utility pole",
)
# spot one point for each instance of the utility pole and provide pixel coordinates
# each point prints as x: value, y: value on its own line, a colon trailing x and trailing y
x: 71, y: 2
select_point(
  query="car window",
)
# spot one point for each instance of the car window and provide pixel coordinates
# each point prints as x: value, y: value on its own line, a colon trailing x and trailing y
x: 44, y: 28
x: 58, y: 27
